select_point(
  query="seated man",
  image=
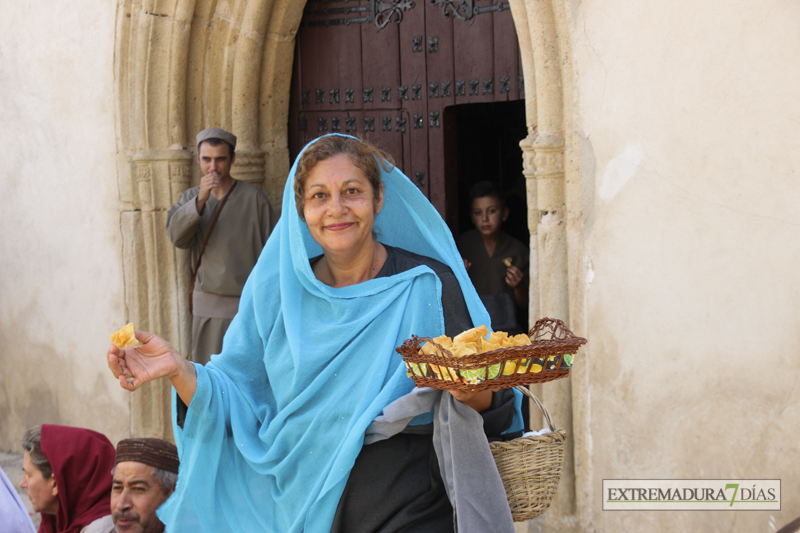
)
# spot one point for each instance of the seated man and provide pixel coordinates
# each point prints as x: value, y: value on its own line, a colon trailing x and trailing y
x: 145, y: 473
x: 67, y: 473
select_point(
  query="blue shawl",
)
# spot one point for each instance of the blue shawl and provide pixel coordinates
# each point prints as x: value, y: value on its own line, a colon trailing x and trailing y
x: 279, y: 417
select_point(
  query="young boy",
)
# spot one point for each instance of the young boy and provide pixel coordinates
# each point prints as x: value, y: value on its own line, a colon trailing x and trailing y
x: 497, y: 262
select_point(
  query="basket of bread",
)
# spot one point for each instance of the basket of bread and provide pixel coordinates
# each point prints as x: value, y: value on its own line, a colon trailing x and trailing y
x: 477, y: 360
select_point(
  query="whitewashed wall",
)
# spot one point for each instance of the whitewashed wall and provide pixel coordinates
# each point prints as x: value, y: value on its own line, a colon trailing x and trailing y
x: 61, y: 286
x: 690, y: 124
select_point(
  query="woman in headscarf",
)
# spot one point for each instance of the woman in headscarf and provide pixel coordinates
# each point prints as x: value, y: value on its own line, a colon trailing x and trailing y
x: 67, y: 473
x: 307, y: 420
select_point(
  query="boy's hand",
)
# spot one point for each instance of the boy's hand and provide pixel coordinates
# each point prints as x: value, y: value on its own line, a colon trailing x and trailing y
x: 514, y: 276
x: 467, y: 264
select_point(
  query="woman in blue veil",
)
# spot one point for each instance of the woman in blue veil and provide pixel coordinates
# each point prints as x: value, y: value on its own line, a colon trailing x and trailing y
x: 307, y: 420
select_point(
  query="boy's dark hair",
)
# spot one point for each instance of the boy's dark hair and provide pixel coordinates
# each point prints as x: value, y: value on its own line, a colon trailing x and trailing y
x: 487, y: 188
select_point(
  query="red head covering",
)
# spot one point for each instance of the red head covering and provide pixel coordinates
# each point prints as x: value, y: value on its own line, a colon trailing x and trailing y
x: 82, y: 460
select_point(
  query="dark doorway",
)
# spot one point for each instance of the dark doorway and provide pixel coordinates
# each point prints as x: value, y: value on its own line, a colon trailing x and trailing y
x: 386, y: 71
x: 482, y: 143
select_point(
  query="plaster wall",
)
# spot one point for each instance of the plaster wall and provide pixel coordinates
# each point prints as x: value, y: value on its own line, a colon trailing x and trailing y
x: 688, y: 124
x: 61, y: 281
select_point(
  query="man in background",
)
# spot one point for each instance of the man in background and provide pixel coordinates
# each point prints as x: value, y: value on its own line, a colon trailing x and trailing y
x: 224, y: 223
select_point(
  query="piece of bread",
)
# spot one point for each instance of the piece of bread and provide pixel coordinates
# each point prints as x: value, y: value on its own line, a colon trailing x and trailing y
x: 124, y: 338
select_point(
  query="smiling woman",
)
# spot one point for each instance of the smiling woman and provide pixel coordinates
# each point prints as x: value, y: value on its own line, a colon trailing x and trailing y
x: 339, y: 193
x: 294, y: 408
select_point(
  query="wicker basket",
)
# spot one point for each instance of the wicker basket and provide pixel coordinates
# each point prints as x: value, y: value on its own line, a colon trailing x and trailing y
x: 530, y: 467
x: 551, y: 341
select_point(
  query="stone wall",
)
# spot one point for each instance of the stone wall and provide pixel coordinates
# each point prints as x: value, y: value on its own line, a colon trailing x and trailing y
x: 61, y: 288
x: 688, y: 130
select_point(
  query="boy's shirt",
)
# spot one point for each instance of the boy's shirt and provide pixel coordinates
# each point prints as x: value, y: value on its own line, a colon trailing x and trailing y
x: 488, y: 274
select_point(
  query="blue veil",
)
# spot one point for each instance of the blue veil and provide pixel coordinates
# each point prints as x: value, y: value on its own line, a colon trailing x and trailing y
x: 278, y: 418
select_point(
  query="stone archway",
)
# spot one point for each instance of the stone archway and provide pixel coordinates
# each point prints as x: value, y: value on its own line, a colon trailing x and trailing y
x: 183, y: 65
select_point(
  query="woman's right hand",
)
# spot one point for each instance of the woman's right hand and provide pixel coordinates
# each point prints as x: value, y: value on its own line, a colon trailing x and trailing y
x: 152, y: 359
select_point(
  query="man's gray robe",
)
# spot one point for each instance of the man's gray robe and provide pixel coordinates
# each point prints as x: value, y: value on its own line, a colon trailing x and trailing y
x: 231, y: 253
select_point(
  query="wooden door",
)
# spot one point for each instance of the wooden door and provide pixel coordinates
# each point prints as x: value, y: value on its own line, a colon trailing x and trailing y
x: 386, y: 71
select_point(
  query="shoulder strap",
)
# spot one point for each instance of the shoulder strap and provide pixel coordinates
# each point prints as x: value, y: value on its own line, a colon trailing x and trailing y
x: 203, y: 249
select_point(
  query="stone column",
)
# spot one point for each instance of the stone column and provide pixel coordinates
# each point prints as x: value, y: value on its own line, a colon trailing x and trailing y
x: 246, y: 81
x: 276, y: 80
x: 543, y: 167
x: 161, y: 178
x: 151, y: 59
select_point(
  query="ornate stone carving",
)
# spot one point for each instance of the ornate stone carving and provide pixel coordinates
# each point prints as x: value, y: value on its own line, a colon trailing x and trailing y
x: 161, y: 176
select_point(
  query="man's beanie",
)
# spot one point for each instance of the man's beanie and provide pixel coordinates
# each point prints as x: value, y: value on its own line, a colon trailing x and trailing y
x: 217, y: 133
x: 154, y: 452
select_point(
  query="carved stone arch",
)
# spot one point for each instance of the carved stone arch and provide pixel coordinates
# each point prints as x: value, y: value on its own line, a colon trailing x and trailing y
x: 183, y: 65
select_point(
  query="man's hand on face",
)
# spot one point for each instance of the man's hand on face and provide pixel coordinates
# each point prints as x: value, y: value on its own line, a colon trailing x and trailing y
x: 215, y: 162
x: 212, y: 180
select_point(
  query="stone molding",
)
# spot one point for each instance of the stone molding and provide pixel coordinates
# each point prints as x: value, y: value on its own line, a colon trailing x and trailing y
x: 249, y: 166
x: 543, y: 28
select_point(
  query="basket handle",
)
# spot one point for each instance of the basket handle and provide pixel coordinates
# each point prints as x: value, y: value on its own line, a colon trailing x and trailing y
x: 545, y: 413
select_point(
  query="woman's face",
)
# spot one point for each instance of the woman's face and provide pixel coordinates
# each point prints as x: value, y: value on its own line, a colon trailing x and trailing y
x: 42, y: 492
x: 339, y: 205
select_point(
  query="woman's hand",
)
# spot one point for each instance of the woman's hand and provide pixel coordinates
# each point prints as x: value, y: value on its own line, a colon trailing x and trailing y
x: 480, y: 401
x: 154, y: 358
